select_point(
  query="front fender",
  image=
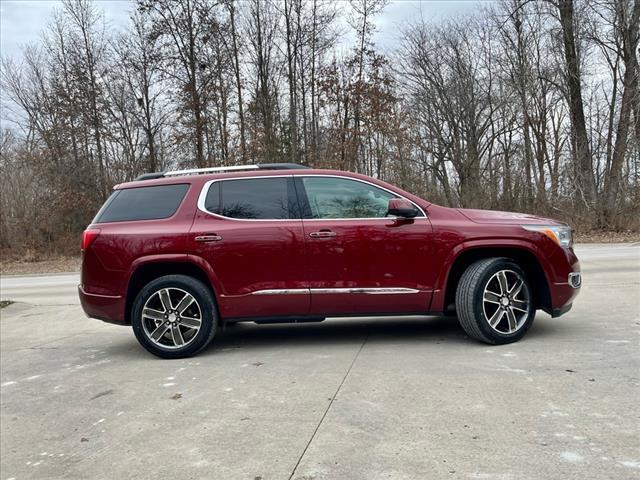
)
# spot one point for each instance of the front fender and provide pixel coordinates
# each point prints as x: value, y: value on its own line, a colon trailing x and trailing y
x: 495, y: 244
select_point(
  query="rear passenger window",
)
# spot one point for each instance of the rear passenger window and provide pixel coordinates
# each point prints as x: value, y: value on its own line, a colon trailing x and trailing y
x: 252, y: 199
x: 212, y: 202
x: 142, y: 203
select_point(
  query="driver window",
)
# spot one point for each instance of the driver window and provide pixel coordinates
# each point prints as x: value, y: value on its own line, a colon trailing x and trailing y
x: 331, y: 197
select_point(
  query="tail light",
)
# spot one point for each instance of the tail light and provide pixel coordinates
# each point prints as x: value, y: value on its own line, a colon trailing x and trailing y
x: 88, y: 236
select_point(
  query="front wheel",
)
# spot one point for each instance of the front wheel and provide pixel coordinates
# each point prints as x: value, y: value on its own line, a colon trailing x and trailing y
x: 174, y: 316
x: 494, y: 301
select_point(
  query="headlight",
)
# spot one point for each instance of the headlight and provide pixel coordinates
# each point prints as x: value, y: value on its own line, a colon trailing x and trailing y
x: 561, y: 234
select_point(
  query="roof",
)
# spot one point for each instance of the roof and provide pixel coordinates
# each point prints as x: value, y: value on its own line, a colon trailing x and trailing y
x: 204, y: 175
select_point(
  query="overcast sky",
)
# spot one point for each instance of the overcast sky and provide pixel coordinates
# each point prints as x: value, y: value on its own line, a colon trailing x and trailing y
x: 23, y: 20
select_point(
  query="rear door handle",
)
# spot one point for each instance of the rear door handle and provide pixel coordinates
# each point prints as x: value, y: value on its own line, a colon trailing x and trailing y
x: 322, y: 234
x: 210, y: 237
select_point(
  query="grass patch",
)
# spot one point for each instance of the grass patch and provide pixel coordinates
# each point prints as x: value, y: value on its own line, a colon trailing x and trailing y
x: 5, y: 303
x: 29, y: 264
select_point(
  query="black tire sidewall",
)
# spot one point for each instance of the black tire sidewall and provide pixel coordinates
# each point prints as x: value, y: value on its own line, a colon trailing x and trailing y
x: 208, y: 309
x: 478, y: 294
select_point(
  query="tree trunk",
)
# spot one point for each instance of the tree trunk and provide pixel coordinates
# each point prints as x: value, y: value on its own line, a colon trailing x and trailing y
x: 629, y: 36
x: 585, y: 180
x: 236, y: 68
x: 291, y: 80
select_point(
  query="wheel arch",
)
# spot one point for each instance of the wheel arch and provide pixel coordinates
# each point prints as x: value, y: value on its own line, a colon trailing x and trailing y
x: 525, y: 256
x: 145, y: 270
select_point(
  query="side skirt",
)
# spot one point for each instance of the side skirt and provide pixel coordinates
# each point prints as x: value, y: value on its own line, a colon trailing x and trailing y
x: 315, y: 318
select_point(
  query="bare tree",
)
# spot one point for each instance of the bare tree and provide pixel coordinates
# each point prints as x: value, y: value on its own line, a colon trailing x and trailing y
x: 626, y: 23
x: 584, y: 168
x: 261, y: 29
x: 521, y: 105
x: 183, y: 27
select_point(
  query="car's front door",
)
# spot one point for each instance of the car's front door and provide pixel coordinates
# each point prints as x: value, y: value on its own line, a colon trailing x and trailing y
x: 249, y: 230
x: 359, y: 261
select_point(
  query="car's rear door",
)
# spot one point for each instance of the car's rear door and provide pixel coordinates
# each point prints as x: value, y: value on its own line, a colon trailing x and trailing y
x: 358, y: 260
x: 249, y: 230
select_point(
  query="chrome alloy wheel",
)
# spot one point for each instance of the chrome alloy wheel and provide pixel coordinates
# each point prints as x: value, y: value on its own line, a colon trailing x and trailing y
x: 506, y: 302
x: 171, y: 318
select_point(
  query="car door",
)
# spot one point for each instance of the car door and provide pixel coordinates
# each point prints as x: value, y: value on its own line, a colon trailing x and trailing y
x: 359, y: 261
x: 249, y: 230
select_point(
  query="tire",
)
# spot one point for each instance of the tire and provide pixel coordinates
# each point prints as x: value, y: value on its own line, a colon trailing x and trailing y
x: 494, y: 301
x: 180, y: 316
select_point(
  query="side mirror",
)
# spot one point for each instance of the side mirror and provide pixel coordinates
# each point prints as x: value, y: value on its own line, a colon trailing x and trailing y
x: 399, y: 207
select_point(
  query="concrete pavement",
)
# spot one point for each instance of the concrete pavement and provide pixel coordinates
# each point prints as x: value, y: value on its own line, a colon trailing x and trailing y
x: 408, y: 398
x: 55, y: 289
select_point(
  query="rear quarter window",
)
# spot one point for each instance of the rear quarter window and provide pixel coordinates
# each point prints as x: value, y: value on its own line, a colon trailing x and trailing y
x: 142, y: 203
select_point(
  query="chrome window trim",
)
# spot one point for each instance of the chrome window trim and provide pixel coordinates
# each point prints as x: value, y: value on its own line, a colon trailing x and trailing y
x: 367, y: 291
x: 205, y: 190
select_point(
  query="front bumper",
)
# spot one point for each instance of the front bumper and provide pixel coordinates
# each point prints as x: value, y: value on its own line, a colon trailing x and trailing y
x: 556, y: 312
x: 563, y: 294
x: 109, y: 308
x: 564, y: 280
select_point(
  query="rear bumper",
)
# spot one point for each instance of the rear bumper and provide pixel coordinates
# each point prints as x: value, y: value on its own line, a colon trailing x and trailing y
x: 109, y: 308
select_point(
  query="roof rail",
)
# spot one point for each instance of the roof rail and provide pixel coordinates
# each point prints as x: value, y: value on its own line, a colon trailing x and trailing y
x: 281, y: 166
x: 231, y: 168
x: 149, y: 176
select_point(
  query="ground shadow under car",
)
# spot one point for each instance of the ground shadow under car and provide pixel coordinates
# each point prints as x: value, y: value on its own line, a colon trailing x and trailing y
x: 426, y: 330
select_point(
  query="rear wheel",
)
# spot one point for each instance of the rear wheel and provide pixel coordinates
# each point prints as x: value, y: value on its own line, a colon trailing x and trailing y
x: 494, y: 301
x: 174, y: 316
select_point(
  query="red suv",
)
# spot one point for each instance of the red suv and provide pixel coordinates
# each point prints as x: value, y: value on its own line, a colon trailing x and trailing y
x: 177, y: 254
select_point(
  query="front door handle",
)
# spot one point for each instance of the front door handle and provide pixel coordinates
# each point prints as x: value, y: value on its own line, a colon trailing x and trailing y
x: 322, y: 234
x: 210, y: 237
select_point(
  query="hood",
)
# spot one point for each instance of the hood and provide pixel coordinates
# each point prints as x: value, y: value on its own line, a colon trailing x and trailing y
x: 505, y: 218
